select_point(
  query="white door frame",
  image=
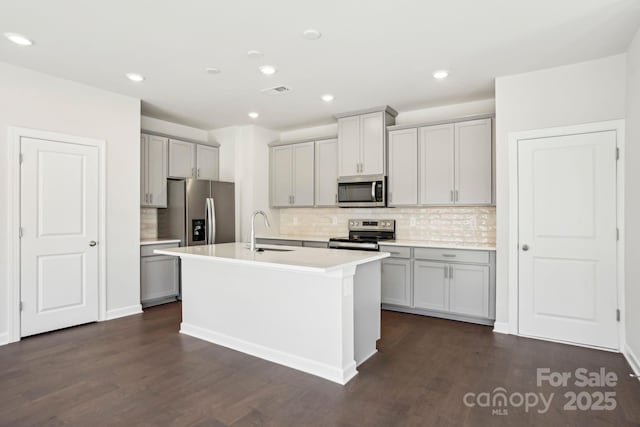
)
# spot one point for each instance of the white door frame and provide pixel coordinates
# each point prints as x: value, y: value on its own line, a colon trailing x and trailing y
x: 513, y: 249
x: 13, y: 167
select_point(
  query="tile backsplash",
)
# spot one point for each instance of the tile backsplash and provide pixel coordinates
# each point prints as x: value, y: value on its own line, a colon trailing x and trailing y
x: 148, y: 223
x: 456, y: 224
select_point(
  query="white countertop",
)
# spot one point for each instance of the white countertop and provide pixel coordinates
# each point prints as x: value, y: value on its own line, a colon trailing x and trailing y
x: 296, y: 258
x: 146, y: 242
x: 443, y: 245
x: 302, y: 237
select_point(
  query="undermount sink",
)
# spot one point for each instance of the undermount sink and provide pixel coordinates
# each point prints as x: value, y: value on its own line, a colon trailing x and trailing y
x: 271, y: 249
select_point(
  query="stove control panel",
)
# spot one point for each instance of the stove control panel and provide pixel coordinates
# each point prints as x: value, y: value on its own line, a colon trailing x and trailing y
x: 372, y: 225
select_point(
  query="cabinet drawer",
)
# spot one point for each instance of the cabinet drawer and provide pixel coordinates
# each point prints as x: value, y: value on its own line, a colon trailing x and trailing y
x: 281, y: 242
x: 396, y: 251
x: 147, y: 250
x: 438, y: 254
x: 308, y: 244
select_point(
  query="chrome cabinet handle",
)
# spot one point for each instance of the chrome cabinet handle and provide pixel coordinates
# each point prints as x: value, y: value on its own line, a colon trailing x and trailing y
x: 449, y: 255
x: 336, y: 198
x: 457, y: 198
x: 525, y: 247
x: 198, y: 173
x: 451, y: 271
x: 451, y: 195
x: 193, y: 172
x: 93, y: 243
x: 151, y: 198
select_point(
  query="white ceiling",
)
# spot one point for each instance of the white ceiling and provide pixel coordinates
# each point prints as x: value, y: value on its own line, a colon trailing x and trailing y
x: 371, y: 53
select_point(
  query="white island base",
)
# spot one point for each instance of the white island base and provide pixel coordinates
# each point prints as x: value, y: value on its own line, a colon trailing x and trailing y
x: 315, y: 310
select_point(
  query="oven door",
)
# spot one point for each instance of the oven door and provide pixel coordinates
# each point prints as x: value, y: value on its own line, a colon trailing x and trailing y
x: 365, y: 191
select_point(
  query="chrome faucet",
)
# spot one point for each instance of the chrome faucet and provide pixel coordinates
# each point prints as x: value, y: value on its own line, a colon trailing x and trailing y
x: 252, y: 246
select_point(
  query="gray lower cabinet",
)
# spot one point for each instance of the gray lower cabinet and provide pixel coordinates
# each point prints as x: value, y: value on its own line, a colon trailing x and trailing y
x: 159, y: 276
x: 453, y: 284
x: 396, y: 281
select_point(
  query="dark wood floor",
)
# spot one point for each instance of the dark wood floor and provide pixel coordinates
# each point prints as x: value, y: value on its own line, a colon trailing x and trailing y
x: 139, y: 371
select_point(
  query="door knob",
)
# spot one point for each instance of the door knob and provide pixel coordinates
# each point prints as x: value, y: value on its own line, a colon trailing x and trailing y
x: 92, y: 243
x: 525, y: 247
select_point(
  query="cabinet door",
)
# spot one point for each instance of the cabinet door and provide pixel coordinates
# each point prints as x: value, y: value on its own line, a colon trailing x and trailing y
x: 437, y: 165
x: 182, y: 159
x: 473, y: 162
x: 144, y: 194
x: 156, y: 171
x: 327, y: 172
x: 303, y: 174
x: 403, y: 167
x: 281, y: 176
x: 349, y: 146
x: 431, y: 285
x: 158, y: 277
x: 396, y: 281
x: 469, y: 292
x: 372, y: 138
x: 207, y: 162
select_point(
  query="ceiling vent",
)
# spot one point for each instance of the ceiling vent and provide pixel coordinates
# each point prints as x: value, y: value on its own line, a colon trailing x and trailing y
x: 278, y: 90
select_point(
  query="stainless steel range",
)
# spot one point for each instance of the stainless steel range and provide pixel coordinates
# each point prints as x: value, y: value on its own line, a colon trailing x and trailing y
x: 364, y: 234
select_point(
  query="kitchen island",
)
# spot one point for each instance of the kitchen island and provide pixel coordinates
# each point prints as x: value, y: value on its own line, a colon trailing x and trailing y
x: 315, y: 310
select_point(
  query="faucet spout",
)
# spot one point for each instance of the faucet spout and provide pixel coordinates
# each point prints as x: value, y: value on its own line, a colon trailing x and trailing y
x: 267, y: 223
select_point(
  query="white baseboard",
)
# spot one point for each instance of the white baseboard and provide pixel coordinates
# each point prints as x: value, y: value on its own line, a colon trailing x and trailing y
x: 4, y: 338
x: 632, y: 358
x: 501, y: 328
x: 124, y: 311
x: 331, y: 373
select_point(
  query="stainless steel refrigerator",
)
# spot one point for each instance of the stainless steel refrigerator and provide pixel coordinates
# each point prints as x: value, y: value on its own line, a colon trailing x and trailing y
x: 198, y: 212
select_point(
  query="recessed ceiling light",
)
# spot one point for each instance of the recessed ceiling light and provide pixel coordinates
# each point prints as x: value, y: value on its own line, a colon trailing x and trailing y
x: 212, y: 70
x: 311, y: 34
x: 254, y: 54
x: 267, y: 70
x: 253, y: 115
x: 18, y: 39
x: 440, y: 74
x: 134, y: 77
x: 327, y: 97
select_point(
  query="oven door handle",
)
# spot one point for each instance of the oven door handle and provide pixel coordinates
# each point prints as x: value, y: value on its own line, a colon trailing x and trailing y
x: 373, y: 191
x: 344, y: 245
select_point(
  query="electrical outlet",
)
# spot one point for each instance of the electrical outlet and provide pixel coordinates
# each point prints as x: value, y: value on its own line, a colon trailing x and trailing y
x: 412, y: 222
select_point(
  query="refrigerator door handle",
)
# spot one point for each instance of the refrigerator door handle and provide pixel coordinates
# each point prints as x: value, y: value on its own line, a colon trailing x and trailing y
x: 211, y: 230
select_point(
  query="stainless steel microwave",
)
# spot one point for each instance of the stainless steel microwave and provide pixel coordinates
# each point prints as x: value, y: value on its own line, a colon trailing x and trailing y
x: 368, y: 191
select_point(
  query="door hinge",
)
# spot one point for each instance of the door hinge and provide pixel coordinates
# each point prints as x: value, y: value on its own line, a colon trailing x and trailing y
x: 617, y: 234
x: 21, y: 305
x: 20, y: 233
x: 617, y: 153
x: 21, y: 159
x: 618, y: 315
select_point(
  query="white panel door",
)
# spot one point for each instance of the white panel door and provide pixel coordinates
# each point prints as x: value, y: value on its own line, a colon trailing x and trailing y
x: 326, y: 172
x: 469, y: 289
x: 436, y: 165
x: 281, y: 176
x: 372, y: 140
x: 403, y: 167
x: 59, y: 217
x: 473, y: 162
x: 349, y: 146
x: 567, y: 226
x: 303, y: 174
x: 396, y: 281
x: 431, y: 285
x: 207, y: 162
x: 182, y: 159
x: 156, y: 171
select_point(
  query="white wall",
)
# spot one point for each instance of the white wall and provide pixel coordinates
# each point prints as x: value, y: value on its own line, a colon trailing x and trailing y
x: 38, y: 101
x: 173, y: 129
x: 632, y: 202
x: 244, y: 159
x: 579, y: 93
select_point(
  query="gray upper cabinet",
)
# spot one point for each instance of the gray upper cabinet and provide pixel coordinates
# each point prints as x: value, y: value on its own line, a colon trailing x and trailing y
x: 153, y: 167
x: 292, y: 175
x: 403, y: 168
x: 326, y: 172
x: 207, y: 162
x: 473, y: 162
x: 182, y: 159
x: 362, y: 140
x: 436, y: 154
